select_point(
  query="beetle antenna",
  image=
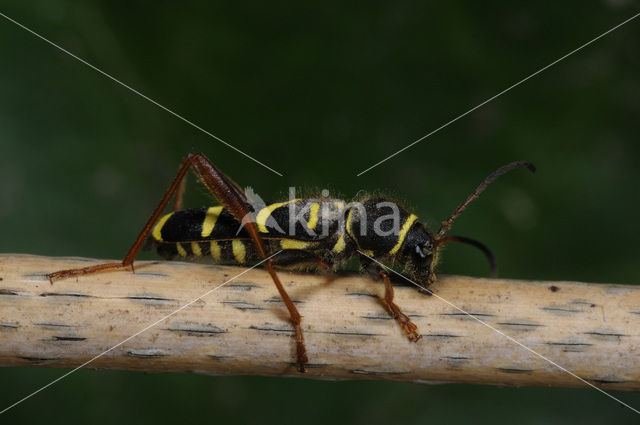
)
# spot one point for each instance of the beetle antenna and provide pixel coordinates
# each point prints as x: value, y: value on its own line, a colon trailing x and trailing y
x: 446, y: 225
x: 482, y: 247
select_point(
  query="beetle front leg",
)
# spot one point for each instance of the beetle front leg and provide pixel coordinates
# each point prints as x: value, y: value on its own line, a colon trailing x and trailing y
x: 403, y: 320
x: 409, y: 328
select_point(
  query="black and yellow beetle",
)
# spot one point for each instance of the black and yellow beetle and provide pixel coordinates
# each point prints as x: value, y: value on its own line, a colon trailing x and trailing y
x: 323, y: 232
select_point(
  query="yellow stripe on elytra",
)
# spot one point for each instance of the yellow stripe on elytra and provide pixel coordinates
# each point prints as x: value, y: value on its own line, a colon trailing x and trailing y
x: 195, y: 248
x: 313, y: 215
x: 293, y: 244
x: 339, y: 204
x: 181, y: 250
x: 215, y: 250
x: 239, y: 250
x: 157, y: 230
x: 349, y: 224
x: 403, y: 233
x: 340, y: 245
x: 265, y: 213
x: 210, y: 221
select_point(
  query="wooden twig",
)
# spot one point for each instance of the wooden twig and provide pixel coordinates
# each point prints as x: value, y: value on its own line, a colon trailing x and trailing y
x: 242, y: 328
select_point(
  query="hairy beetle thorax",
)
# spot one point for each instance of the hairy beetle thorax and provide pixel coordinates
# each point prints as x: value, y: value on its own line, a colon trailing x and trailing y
x: 378, y: 226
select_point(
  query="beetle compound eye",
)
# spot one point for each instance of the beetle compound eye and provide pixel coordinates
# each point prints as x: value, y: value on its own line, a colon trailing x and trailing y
x: 428, y: 247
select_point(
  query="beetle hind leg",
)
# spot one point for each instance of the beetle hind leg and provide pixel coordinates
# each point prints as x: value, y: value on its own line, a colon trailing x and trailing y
x: 63, y: 274
x: 235, y: 201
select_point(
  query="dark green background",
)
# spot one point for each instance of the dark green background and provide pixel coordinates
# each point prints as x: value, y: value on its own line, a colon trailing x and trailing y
x: 319, y: 93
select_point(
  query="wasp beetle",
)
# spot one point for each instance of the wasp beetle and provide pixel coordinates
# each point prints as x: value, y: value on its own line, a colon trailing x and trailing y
x: 322, y: 232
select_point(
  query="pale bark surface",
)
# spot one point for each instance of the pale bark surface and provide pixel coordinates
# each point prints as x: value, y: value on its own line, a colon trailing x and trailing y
x: 242, y: 327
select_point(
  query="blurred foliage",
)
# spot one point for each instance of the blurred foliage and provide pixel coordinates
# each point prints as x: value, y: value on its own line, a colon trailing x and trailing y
x: 320, y: 92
